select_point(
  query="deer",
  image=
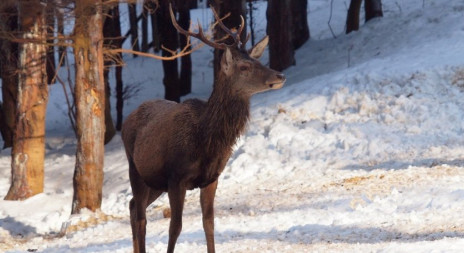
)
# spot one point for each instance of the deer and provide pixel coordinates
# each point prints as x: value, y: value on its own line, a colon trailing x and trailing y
x: 174, y: 147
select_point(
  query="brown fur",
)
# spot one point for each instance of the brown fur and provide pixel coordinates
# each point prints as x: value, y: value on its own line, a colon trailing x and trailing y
x: 172, y: 147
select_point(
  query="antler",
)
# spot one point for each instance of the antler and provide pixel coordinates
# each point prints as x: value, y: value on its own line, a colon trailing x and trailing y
x: 236, y: 35
x: 201, y: 36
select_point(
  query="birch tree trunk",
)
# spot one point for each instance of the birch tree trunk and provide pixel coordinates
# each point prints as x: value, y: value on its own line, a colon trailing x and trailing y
x: 29, y: 134
x: 90, y: 98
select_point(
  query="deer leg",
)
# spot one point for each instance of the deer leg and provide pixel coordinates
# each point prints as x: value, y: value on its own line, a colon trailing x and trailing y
x: 207, y: 207
x: 143, y: 196
x: 176, y: 194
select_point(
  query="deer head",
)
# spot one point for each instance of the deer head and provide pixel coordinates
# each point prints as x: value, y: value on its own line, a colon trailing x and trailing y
x: 240, y: 68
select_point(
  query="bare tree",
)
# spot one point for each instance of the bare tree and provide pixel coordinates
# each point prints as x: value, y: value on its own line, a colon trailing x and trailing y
x: 116, y: 42
x: 251, y: 21
x: 153, y: 5
x: 90, y: 97
x: 60, y: 29
x: 112, y: 35
x: 28, y: 151
x: 235, y: 9
x: 300, y: 28
x: 185, y: 79
x: 352, y: 19
x: 281, y: 48
x: 50, y: 24
x: 169, y: 41
x: 8, y: 72
x: 133, y: 27
x: 373, y: 9
x: 145, y: 15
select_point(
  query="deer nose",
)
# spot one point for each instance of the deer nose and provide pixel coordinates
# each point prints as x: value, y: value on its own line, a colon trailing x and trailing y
x: 281, y: 76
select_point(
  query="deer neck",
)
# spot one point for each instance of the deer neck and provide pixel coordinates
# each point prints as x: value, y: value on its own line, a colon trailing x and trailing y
x: 225, y: 118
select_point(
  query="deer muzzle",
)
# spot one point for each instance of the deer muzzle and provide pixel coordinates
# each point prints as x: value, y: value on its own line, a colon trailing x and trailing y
x: 277, y: 81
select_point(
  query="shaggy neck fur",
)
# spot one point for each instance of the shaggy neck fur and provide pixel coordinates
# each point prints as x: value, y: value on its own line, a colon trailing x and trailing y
x: 225, y: 118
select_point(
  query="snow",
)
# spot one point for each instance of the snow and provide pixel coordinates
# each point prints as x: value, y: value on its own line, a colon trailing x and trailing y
x: 361, y: 151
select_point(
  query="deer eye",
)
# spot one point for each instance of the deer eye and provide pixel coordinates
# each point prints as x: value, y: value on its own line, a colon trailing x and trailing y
x: 244, y: 68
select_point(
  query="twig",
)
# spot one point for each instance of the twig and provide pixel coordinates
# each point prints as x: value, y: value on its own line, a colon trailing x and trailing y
x: 174, y: 55
x: 399, y: 7
x: 350, y: 48
x: 330, y: 18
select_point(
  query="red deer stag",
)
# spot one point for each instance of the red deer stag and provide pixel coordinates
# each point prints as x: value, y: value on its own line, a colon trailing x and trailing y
x: 173, y: 147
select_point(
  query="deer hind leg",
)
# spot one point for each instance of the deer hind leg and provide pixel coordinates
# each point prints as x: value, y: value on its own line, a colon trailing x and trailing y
x: 207, y: 207
x: 176, y: 195
x: 142, y: 197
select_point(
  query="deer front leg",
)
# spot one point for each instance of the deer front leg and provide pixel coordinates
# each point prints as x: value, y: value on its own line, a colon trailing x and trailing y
x: 207, y: 207
x: 176, y: 195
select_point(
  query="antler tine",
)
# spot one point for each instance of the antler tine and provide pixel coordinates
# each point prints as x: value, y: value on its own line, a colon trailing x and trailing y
x: 200, y: 35
x: 236, y: 35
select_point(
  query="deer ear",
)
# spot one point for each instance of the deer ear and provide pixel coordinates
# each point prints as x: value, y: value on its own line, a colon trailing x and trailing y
x: 227, y: 62
x: 258, y: 49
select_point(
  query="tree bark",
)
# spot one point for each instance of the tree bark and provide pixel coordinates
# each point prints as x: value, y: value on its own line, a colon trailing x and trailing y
x: 50, y: 23
x: 154, y: 26
x: 251, y: 21
x: 236, y: 9
x: 134, y: 28
x: 373, y: 9
x: 28, y: 151
x: 281, y: 49
x: 169, y: 39
x: 145, y: 25
x: 118, y: 71
x: 90, y: 97
x: 352, y: 19
x: 9, y: 75
x: 186, y: 61
x: 60, y: 30
x: 300, y: 29
x: 112, y: 35
x: 119, y: 97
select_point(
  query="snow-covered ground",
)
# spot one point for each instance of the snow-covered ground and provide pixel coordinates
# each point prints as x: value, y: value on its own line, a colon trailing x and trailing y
x: 361, y: 151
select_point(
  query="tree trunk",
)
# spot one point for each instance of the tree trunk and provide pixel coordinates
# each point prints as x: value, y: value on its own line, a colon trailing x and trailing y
x: 90, y: 97
x: 352, y: 19
x: 111, y: 33
x: 118, y: 72
x: 50, y: 22
x: 9, y: 75
x: 134, y: 28
x: 28, y: 151
x: 236, y: 9
x: 251, y: 22
x: 110, y: 130
x: 119, y: 97
x: 60, y: 28
x: 186, y: 61
x: 169, y: 39
x: 145, y: 25
x: 281, y: 49
x: 300, y: 29
x: 373, y: 9
x: 154, y: 27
